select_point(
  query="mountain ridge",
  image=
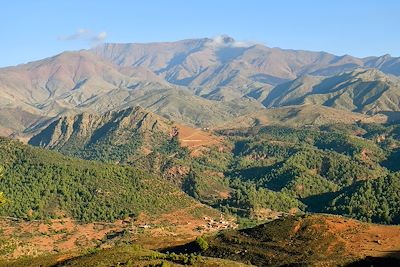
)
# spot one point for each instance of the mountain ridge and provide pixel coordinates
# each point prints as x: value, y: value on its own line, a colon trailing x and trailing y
x: 199, y: 82
x: 364, y: 91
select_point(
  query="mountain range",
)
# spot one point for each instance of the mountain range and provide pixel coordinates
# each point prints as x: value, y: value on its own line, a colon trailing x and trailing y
x: 200, y: 82
x: 172, y: 146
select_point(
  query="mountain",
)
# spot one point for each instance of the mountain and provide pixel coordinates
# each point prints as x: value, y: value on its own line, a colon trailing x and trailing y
x: 76, y: 82
x: 364, y: 91
x: 200, y: 82
x: 221, y: 67
x: 300, y: 115
x: 130, y: 129
x: 386, y: 64
x: 184, y: 62
x: 120, y: 136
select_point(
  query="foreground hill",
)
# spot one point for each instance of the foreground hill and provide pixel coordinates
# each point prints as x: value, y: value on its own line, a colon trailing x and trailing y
x: 127, y: 255
x: 313, y: 240
x: 310, y: 241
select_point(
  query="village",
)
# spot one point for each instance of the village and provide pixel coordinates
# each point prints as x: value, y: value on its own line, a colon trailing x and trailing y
x: 213, y: 225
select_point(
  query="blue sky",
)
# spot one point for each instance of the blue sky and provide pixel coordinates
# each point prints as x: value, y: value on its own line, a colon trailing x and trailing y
x: 34, y: 29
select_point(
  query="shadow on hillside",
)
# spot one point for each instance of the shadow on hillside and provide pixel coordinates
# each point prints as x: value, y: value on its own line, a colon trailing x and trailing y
x: 318, y: 203
x: 392, y: 161
x: 187, y: 248
x: 392, y: 116
x: 392, y: 259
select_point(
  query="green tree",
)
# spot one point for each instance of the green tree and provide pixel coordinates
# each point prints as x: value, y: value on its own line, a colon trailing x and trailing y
x: 2, y: 198
x: 201, y: 243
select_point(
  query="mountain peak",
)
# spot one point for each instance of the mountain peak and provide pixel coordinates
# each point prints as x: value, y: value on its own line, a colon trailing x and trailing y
x: 224, y: 39
x: 370, y: 74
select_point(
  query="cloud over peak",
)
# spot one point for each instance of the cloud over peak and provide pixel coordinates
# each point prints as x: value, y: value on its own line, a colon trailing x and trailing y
x: 99, y: 37
x: 227, y: 41
x: 86, y: 35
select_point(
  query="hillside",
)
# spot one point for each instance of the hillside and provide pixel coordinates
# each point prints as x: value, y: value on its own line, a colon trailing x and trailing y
x: 41, y: 184
x: 309, y: 241
x: 313, y: 240
x: 342, y: 169
x: 132, y: 136
x: 120, y: 136
x: 125, y: 255
x: 300, y: 115
x: 57, y: 203
x: 251, y: 172
x: 113, y: 136
x: 363, y: 91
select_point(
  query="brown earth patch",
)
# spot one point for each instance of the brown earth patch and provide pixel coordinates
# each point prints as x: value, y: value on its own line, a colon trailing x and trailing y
x: 224, y: 194
x: 362, y: 239
x: 34, y: 238
x: 194, y: 137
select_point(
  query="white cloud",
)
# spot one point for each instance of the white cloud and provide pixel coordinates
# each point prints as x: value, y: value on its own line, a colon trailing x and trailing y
x: 85, y: 34
x: 79, y: 34
x: 99, y: 38
x: 227, y: 41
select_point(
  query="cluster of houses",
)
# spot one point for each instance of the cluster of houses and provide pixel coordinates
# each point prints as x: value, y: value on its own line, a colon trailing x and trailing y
x: 221, y: 224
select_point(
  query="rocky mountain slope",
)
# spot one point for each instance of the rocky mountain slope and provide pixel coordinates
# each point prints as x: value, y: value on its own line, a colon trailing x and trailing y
x: 364, y: 91
x: 197, y: 62
x: 86, y: 128
x: 300, y: 115
x: 200, y: 82
x: 75, y: 82
x: 121, y: 136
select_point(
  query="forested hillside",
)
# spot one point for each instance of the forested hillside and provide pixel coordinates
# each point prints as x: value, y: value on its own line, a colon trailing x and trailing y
x: 337, y: 168
x: 342, y: 169
x: 41, y: 184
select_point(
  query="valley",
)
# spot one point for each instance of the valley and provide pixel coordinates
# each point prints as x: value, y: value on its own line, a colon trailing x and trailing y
x: 203, y: 152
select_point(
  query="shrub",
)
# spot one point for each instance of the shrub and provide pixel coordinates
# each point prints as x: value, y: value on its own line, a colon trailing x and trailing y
x: 201, y: 243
